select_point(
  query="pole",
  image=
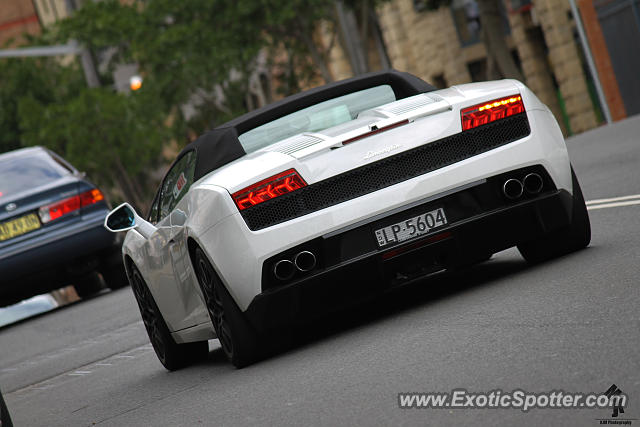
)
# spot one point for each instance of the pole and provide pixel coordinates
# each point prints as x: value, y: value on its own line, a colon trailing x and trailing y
x: 63, y: 49
x: 86, y: 59
x: 590, y: 63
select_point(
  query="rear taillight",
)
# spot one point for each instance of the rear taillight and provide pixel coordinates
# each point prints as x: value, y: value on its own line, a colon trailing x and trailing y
x: 63, y: 207
x: 491, y: 111
x: 269, y: 188
x: 90, y: 197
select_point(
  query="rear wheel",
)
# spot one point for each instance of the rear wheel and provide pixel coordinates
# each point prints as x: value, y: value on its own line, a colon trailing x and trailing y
x: 569, y: 239
x: 172, y: 355
x: 237, y: 338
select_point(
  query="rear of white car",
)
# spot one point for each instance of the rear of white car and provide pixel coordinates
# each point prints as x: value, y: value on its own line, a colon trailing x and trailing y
x: 345, y: 194
x: 367, y: 185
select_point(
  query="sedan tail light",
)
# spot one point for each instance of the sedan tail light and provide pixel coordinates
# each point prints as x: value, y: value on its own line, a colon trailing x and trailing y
x: 269, y: 188
x: 63, y: 207
x: 491, y: 111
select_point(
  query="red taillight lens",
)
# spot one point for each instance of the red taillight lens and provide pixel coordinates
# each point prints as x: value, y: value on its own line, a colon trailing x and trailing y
x: 90, y: 197
x: 269, y: 188
x: 56, y: 210
x: 491, y: 111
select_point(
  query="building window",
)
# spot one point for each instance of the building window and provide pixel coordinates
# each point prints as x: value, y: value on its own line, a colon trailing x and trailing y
x: 466, y: 16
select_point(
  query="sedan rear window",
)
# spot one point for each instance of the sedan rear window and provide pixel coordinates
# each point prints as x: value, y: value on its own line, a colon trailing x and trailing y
x: 317, y: 117
x: 21, y: 173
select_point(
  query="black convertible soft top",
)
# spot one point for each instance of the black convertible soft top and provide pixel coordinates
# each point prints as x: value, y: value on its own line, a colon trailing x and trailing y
x: 220, y: 146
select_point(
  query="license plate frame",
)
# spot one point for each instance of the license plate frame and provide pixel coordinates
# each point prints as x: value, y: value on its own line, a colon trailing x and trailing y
x: 19, y: 226
x: 410, y: 228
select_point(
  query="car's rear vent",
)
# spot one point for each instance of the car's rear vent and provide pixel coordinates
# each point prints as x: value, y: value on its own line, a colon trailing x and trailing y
x: 412, y: 104
x: 295, y: 143
x: 387, y: 172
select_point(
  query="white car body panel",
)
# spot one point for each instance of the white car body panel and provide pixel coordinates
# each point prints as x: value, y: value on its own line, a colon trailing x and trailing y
x: 237, y: 253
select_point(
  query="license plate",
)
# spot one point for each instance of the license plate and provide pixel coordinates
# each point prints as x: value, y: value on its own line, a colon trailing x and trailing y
x: 412, y: 227
x: 18, y: 226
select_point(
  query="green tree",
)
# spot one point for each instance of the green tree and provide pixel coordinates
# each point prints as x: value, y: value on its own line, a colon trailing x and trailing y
x: 113, y: 137
x: 40, y: 79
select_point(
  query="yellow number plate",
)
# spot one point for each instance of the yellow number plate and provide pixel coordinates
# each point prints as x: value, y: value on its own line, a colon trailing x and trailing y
x: 19, y: 226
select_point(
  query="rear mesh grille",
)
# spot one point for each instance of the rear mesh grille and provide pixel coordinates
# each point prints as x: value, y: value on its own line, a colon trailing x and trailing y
x: 386, y: 172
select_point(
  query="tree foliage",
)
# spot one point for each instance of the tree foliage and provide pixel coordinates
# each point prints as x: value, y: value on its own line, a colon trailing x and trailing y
x: 40, y: 80
x: 113, y: 137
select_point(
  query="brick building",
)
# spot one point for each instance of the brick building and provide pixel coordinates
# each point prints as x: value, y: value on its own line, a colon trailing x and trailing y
x: 17, y: 18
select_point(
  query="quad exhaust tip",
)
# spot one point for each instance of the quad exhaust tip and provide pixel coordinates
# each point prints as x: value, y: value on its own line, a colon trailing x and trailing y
x: 533, y: 183
x: 284, y: 269
x: 512, y: 189
x: 305, y: 261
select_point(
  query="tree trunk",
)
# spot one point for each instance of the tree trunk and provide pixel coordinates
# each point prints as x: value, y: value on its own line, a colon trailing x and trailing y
x: 350, y: 36
x: 316, y: 56
x: 128, y: 187
x: 364, y: 31
x: 497, y: 50
x: 385, y: 62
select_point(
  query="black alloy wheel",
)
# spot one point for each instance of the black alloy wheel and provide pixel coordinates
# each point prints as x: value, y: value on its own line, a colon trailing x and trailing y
x: 172, y: 355
x: 574, y: 237
x: 214, y: 303
x: 237, y: 338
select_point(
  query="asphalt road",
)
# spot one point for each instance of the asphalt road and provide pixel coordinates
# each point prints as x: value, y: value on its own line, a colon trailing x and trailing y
x: 571, y: 324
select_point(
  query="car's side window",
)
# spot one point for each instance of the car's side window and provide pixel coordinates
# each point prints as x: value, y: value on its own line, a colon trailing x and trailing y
x: 176, y: 183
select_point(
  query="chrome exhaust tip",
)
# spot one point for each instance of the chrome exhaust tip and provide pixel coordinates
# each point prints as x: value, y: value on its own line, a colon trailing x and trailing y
x: 533, y: 183
x: 284, y: 269
x: 305, y: 261
x: 512, y: 189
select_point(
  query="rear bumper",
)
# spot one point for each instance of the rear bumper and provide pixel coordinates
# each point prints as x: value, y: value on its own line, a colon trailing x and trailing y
x: 55, y: 263
x: 462, y: 242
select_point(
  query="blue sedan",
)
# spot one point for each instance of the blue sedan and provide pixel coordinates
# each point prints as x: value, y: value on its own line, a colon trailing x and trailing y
x: 51, y: 232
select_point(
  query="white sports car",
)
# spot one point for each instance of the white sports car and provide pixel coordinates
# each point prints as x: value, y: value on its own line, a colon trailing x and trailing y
x: 339, y: 192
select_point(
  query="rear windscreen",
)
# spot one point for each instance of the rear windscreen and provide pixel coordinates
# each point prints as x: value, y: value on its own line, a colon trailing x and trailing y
x: 317, y: 117
x: 18, y: 174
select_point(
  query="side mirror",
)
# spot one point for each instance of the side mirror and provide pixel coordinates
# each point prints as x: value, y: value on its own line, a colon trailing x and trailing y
x: 124, y: 218
x: 178, y: 218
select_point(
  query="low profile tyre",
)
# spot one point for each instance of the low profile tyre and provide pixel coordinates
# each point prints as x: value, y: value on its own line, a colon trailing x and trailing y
x: 237, y: 338
x: 114, y: 273
x: 569, y: 239
x: 87, y: 285
x: 172, y: 355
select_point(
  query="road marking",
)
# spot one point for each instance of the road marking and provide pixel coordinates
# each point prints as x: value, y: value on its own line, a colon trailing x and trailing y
x: 84, y: 371
x: 613, y: 202
x: 613, y: 199
x: 79, y: 373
